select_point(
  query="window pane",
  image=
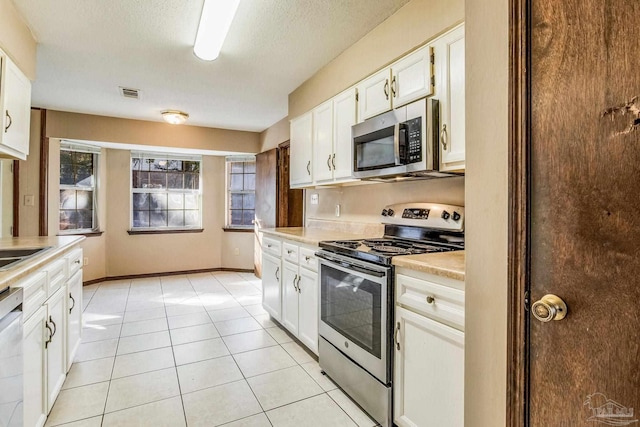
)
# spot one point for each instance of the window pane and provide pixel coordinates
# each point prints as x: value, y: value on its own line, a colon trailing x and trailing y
x: 84, y: 199
x: 136, y: 163
x: 145, y: 165
x: 236, y: 217
x: 236, y: 201
x: 248, y: 201
x: 175, y: 165
x: 158, y: 219
x: 176, y: 218
x: 140, y: 179
x: 191, y: 201
x: 65, y: 157
x: 191, y: 166
x: 141, y: 218
x: 247, y: 217
x: 83, y: 159
x: 68, y: 220
x: 250, y: 167
x: 84, y: 176
x: 236, y: 182
x: 191, y: 181
x: 237, y: 167
x: 175, y: 180
x: 250, y: 181
x: 176, y: 201
x: 158, y: 201
x: 158, y: 164
x: 157, y: 180
x: 140, y: 201
x: 66, y: 174
x: 67, y: 199
x: 85, y: 219
x: 191, y: 218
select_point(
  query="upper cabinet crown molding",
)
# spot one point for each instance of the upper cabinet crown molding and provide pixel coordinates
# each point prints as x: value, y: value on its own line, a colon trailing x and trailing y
x: 15, y: 107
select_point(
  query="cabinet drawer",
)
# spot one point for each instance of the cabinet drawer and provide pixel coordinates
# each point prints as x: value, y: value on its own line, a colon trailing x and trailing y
x: 34, y: 290
x: 271, y: 246
x: 290, y: 252
x: 431, y: 299
x: 74, y: 262
x: 308, y: 259
x: 55, y: 275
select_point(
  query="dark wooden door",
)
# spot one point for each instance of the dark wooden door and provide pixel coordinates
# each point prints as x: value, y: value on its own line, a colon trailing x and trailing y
x: 267, y: 189
x: 585, y: 219
x: 290, y: 202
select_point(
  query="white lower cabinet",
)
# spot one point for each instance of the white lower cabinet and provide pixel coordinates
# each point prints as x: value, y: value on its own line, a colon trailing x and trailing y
x: 55, y: 345
x: 428, y: 385
x: 35, y: 402
x: 271, y: 295
x: 308, y: 308
x: 74, y: 317
x: 290, y: 297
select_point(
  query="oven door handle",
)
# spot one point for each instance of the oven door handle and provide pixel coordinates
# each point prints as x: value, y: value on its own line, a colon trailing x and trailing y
x: 352, y: 266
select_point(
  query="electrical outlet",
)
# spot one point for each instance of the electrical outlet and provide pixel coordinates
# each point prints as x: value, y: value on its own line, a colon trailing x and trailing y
x: 337, y: 210
x: 236, y: 251
x: 314, y: 199
x: 85, y: 261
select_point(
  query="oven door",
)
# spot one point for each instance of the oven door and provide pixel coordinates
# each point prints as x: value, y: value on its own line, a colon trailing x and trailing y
x: 354, y: 311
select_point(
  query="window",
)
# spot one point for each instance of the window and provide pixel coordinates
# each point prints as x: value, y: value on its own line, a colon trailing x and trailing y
x: 241, y: 184
x: 165, y: 192
x: 78, y: 207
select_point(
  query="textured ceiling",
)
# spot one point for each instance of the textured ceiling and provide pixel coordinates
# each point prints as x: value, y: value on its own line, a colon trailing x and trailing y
x: 87, y: 48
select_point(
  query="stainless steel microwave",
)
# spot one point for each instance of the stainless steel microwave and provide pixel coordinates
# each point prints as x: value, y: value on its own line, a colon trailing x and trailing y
x: 400, y: 143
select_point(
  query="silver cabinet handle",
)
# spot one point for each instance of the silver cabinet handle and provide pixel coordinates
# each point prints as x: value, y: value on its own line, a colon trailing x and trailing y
x: 48, y: 341
x: 294, y: 283
x: 309, y: 167
x: 6, y: 128
x: 299, y: 290
x: 394, y: 86
x: 333, y: 161
x: 395, y: 336
x: 443, y: 136
x: 386, y: 89
x: 74, y: 302
x: 329, y: 162
x: 55, y: 328
x: 277, y: 271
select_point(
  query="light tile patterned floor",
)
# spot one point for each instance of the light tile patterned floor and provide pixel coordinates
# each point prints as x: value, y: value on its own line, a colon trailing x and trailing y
x: 194, y: 350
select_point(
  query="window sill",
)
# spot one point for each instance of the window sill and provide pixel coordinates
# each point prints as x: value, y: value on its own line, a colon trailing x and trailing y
x: 237, y: 230
x: 186, y: 230
x: 87, y: 234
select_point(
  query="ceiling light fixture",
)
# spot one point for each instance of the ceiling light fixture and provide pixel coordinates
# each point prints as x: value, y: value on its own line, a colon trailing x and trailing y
x: 175, y: 117
x: 214, y: 25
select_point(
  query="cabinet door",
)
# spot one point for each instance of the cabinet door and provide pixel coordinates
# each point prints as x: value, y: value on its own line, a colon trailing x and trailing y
x: 271, y: 295
x: 57, y: 345
x: 429, y: 372
x: 344, y: 116
x: 290, y: 297
x: 308, y: 309
x: 15, y: 93
x: 300, y: 160
x: 450, y: 90
x: 323, y: 142
x: 374, y: 95
x: 35, y: 401
x: 74, y: 316
x: 411, y: 77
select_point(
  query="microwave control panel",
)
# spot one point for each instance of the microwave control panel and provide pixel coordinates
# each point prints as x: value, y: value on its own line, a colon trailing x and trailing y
x: 413, y: 129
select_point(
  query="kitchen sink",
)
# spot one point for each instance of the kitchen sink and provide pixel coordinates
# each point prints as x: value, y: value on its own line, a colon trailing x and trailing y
x: 11, y: 257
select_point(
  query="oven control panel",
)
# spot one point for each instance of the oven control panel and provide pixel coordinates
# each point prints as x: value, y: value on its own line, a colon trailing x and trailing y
x: 430, y: 215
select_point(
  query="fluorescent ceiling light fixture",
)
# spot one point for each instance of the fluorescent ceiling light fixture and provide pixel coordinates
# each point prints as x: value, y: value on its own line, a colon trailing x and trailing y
x: 215, y: 22
x: 174, y: 117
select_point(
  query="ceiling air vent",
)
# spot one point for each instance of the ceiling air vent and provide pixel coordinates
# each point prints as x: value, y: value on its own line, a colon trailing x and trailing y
x: 128, y: 92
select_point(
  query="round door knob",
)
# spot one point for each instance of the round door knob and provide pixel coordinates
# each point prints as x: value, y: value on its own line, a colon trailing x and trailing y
x: 548, y: 308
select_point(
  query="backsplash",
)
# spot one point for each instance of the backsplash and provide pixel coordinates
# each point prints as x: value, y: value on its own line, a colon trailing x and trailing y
x: 363, y: 203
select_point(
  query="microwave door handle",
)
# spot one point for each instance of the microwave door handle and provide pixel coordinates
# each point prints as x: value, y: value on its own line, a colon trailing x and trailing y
x: 396, y: 143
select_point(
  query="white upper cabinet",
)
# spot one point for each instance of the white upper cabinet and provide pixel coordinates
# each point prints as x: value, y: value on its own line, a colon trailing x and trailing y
x: 15, y: 105
x: 450, y: 91
x: 344, y: 116
x: 301, y: 161
x: 374, y: 95
x: 323, y: 142
x: 411, y: 77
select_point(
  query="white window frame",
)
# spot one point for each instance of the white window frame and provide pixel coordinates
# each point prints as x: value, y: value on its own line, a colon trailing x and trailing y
x: 95, y: 151
x: 168, y: 156
x: 228, y: 161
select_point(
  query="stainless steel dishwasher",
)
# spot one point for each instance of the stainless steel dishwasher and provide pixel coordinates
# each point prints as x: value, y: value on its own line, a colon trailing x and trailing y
x: 11, y: 361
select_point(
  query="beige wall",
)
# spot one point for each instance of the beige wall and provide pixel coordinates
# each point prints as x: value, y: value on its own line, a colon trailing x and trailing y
x: 16, y: 39
x: 274, y: 135
x: 487, y: 61
x: 412, y: 25
x: 126, y: 131
x: 363, y: 203
x: 30, y: 182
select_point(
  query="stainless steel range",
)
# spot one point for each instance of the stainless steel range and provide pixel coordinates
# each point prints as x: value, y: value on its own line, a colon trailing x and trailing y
x: 356, y: 298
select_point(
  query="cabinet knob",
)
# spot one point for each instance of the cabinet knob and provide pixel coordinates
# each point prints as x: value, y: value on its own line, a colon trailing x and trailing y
x: 430, y: 299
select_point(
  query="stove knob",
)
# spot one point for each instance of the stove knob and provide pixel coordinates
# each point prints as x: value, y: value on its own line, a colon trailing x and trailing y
x: 456, y: 216
x: 390, y: 212
x: 445, y: 215
x: 384, y: 212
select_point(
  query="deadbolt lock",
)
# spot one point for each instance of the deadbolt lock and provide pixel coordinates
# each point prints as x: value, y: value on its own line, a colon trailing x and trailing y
x: 548, y: 308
